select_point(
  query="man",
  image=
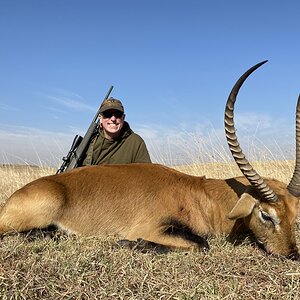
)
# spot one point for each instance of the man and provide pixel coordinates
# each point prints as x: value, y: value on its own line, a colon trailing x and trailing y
x: 115, y: 142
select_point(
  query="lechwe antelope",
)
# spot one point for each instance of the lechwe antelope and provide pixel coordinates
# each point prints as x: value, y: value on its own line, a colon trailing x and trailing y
x: 161, y: 205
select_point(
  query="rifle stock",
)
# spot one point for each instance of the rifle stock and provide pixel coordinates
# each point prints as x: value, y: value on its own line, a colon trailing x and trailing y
x: 80, y: 145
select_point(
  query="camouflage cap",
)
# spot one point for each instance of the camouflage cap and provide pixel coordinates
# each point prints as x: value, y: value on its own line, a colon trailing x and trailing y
x: 111, y: 103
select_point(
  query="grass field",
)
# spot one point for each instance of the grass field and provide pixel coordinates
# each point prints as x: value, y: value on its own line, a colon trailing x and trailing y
x: 55, y: 266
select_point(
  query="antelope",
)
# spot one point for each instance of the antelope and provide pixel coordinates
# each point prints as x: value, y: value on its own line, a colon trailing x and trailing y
x: 162, y: 206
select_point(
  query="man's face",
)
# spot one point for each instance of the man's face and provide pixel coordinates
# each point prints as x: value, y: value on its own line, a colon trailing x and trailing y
x: 112, y: 121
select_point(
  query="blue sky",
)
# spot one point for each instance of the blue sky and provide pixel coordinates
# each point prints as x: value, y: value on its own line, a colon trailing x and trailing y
x: 172, y: 63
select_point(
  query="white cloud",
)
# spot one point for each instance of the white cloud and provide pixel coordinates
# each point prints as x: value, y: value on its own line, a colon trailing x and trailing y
x: 259, y: 136
x: 25, y: 145
x: 7, y: 107
x: 71, y: 103
x: 250, y: 121
x: 66, y: 99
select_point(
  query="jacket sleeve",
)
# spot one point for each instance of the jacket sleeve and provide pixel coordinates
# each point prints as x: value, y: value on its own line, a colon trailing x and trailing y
x: 142, y: 154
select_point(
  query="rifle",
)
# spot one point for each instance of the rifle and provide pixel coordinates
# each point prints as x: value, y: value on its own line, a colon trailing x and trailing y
x: 80, y: 144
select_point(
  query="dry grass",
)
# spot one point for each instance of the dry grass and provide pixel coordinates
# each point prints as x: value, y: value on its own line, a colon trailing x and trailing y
x: 281, y: 170
x: 70, y: 267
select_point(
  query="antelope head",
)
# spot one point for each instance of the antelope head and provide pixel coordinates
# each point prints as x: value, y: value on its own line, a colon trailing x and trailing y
x: 269, y: 207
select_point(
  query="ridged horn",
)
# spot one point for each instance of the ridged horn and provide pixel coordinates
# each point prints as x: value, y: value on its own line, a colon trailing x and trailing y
x: 248, y: 171
x: 294, y: 185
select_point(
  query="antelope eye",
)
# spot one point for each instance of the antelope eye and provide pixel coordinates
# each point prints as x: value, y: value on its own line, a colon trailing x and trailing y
x: 266, y: 217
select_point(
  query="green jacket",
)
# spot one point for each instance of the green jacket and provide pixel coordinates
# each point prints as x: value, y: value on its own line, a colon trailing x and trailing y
x: 127, y: 148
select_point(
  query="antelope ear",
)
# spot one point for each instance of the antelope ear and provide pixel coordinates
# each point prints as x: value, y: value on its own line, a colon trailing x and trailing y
x: 243, y: 207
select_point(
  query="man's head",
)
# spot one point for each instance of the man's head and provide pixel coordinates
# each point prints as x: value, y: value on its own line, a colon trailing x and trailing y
x: 112, y: 117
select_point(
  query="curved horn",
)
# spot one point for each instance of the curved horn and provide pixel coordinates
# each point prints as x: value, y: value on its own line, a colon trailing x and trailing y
x: 294, y: 185
x: 266, y: 192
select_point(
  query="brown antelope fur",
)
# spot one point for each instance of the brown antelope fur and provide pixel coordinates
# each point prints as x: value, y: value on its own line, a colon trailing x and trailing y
x: 157, y: 204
